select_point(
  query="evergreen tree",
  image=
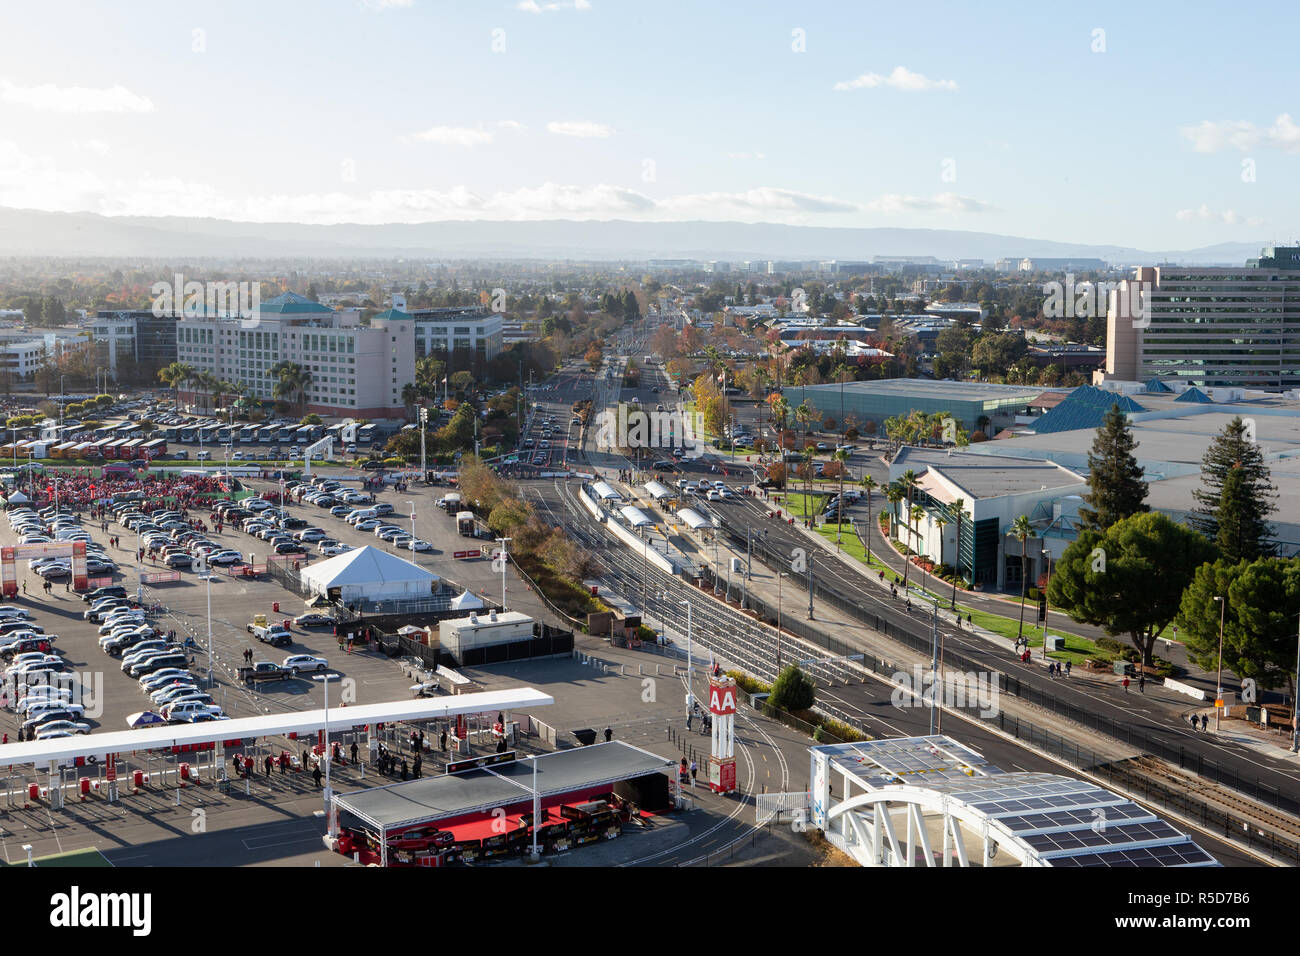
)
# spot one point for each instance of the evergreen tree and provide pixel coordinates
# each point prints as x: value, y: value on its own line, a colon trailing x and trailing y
x: 1235, y: 448
x: 1116, y: 486
x: 1241, y: 526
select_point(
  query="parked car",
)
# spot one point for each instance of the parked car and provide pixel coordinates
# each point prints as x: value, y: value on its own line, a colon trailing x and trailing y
x: 298, y: 663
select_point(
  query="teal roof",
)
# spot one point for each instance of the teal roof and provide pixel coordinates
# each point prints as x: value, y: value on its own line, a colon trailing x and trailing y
x: 392, y: 314
x: 291, y: 303
x: 1157, y: 387
x: 1195, y: 396
x: 1085, y: 407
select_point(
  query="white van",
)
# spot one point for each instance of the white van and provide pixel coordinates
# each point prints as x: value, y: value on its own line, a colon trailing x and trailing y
x: 361, y: 514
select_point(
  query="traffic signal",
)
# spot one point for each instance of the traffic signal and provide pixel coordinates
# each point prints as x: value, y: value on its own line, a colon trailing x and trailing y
x: 1042, y: 608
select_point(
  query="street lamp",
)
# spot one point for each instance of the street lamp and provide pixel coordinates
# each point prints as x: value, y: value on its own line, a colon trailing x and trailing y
x: 1218, y: 680
x: 934, y: 652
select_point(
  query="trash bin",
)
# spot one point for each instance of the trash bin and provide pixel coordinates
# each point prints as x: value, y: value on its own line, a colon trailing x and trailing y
x: 586, y: 736
x: 137, y: 778
x: 34, y: 792
x: 84, y: 786
x: 275, y: 607
x: 185, y: 771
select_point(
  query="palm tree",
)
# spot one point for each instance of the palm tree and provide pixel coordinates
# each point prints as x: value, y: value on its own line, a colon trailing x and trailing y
x: 803, y: 414
x: 940, y: 522
x: 175, y: 375
x: 960, y: 505
x: 293, y: 383
x: 908, y: 484
x: 842, y: 456
x: 1022, y: 530
x: 917, y: 513
x: 870, y: 484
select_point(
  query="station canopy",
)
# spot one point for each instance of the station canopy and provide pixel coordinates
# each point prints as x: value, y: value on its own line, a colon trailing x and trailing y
x: 368, y: 574
x: 658, y: 490
x: 694, y: 520
x: 604, y: 490
x: 634, y: 516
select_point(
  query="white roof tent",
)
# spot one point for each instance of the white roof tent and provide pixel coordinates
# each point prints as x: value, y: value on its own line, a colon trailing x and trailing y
x: 634, y: 516
x: 271, y: 725
x: 605, y: 491
x: 694, y: 520
x: 658, y: 490
x: 368, y: 574
x: 866, y: 794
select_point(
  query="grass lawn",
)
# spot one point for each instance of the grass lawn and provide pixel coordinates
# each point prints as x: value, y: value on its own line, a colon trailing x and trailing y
x: 797, y: 505
x: 1077, y: 648
x: 77, y: 858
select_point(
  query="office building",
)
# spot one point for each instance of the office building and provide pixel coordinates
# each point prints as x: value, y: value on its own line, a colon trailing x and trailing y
x: 464, y: 336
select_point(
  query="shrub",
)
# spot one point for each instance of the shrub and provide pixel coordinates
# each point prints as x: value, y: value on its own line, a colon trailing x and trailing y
x: 793, y: 690
x: 394, y: 462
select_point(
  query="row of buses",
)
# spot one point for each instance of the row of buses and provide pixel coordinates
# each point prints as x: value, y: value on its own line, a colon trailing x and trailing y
x: 275, y: 434
x: 119, y: 449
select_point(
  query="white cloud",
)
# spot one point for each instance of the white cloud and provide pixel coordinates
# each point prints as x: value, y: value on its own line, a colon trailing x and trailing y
x: 452, y: 136
x: 581, y: 129
x: 74, y: 99
x: 900, y: 79
x: 1228, y: 217
x: 761, y: 201
x: 513, y: 125
x: 940, y: 202
x: 532, y: 6
x: 1211, y: 137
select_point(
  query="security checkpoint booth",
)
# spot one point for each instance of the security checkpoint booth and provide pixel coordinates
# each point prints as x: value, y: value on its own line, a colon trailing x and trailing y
x: 930, y: 801
x: 104, y: 765
x: 502, y: 804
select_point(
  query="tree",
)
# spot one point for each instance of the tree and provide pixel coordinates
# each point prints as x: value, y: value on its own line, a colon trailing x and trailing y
x: 1022, y: 531
x: 959, y: 505
x: 292, y: 383
x: 870, y: 484
x: 1129, y: 579
x: 312, y: 419
x: 794, y: 690
x: 908, y: 484
x: 804, y: 414
x: 1116, y: 486
x: 1259, y: 636
x: 1252, y: 496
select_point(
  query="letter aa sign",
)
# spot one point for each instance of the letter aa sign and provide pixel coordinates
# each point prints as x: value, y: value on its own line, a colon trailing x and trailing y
x: 722, y: 701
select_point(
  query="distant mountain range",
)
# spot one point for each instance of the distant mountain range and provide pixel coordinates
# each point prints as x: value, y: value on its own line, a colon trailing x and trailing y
x: 34, y: 233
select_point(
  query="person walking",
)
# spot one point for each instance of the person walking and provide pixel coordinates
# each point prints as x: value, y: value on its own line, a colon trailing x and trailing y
x: 417, y: 764
x: 1125, y: 683
x: 694, y: 770
x: 405, y: 770
x: 1067, y: 668
x: 1142, y: 683
x: 609, y: 735
x: 269, y: 764
x: 316, y: 775
x: 354, y: 752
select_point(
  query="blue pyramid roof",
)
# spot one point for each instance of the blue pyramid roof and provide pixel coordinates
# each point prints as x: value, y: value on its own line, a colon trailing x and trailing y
x: 291, y: 303
x: 1100, y: 398
x: 1194, y: 395
x: 1084, y: 407
x: 1155, y: 386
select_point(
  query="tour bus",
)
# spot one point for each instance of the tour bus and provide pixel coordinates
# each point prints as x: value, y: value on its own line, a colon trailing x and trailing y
x: 365, y: 434
x: 157, y: 448
x: 129, y: 450
x: 223, y: 435
x: 105, y: 431
x: 186, y: 434
x: 170, y: 433
x: 206, y: 433
x: 302, y: 435
x: 285, y: 433
x: 248, y: 433
x: 268, y: 434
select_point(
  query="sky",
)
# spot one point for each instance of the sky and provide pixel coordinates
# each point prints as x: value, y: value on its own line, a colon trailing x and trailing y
x: 1154, y: 125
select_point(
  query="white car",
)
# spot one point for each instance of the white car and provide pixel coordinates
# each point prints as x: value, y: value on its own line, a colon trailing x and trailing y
x: 335, y: 549
x: 225, y: 557
x: 416, y: 545
x: 297, y: 663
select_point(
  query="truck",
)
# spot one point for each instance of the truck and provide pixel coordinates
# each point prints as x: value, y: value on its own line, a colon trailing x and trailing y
x: 277, y: 635
x: 264, y: 671
x: 465, y: 522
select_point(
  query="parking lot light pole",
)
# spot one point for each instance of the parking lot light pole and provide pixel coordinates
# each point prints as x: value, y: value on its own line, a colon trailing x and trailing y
x: 1218, y: 680
x: 413, y: 551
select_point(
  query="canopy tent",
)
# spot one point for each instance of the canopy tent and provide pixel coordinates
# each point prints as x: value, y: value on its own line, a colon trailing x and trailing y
x: 634, y: 516
x: 466, y: 601
x: 604, y: 490
x: 658, y: 490
x: 368, y: 574
x: 694, y: 520
x: 18, y: 498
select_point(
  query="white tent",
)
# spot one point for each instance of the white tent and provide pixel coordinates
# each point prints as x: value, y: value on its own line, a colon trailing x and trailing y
x: 694, y: 520
x: 18, y: 498
x: 658, y: 490
x: 368, y: 574
x: 466, y: 601
x: 605, y: 491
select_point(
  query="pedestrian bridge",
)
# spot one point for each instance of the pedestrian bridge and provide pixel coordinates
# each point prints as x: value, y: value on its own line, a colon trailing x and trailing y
x: 930, y: 801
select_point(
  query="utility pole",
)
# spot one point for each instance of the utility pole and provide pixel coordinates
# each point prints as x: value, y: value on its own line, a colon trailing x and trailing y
x: 782, y: 575
x: 502, y: 558
x: 811, y: 555
x: 424, y: 423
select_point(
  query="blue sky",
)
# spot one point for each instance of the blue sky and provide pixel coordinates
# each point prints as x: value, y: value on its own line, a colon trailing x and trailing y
x: 987, y: 117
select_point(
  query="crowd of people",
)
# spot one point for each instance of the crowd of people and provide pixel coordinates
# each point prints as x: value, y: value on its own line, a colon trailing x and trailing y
x: 82, y: 489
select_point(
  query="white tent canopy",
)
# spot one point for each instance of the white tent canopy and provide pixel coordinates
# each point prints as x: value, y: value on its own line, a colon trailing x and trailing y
x: 694, y: 520
x: 634, y: 516
x: 605, y: 490
x: 368, y: 574
x: 18, y: 498
x: 466, y: 601
x: 658, y: 490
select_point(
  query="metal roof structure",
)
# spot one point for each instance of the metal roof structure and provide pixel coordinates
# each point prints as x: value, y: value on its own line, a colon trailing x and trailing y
x: 446, y: 797
x: 603, y: 489
x: 270, y: 725
x: 658, y: 490
x: 694, y: 520
x: 634, y: 516
x: 1194, y: 394
x: 1038, y: 819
